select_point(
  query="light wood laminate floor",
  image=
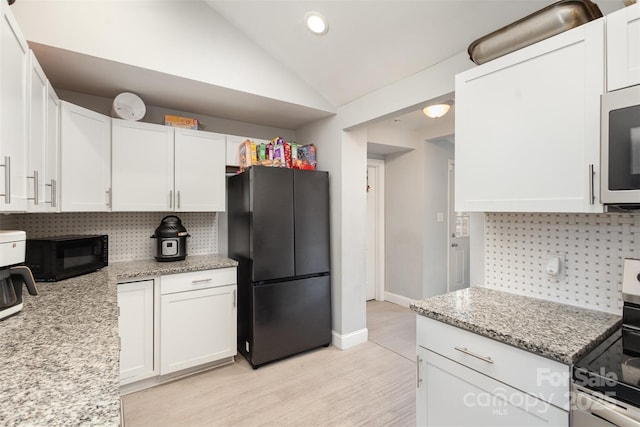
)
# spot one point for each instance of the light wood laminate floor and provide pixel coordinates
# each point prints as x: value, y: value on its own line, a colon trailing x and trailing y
x: 372, y: 384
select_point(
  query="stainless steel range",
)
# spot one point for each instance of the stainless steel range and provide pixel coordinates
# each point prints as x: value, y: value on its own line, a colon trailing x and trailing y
x: 606, y: 382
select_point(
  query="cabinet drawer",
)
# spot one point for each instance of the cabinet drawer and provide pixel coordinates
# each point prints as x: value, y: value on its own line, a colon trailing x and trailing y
x: 197, y: 280
x: 545, y: 378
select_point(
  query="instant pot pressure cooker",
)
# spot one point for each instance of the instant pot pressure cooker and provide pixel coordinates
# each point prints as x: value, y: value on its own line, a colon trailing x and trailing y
x: 171, y: 243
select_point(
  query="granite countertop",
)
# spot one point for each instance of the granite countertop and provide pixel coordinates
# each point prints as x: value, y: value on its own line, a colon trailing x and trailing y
x: 557, y: 331
x: 60, y: 355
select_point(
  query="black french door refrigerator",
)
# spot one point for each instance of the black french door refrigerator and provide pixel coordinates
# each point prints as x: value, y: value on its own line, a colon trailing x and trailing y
x: 278, y: 224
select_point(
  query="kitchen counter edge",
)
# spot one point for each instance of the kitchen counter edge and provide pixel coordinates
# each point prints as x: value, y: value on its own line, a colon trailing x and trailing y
x: 554, y: 330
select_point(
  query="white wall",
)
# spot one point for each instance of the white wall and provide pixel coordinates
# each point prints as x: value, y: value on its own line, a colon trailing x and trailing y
x: 436, y: 241
x: 156, y: 114
x: 415, y: 192
x: 343, y: 154
x: 182, y: 38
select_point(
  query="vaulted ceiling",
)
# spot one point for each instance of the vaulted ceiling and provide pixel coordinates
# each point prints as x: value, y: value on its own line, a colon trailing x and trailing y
x: 370, y: 44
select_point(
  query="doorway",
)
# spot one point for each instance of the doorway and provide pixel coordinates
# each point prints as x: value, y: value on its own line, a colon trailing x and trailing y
x: 375, y: 230
x: 458, y: 241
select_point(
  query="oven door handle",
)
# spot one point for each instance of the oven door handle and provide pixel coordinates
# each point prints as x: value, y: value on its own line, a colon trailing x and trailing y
x: 601, y: 409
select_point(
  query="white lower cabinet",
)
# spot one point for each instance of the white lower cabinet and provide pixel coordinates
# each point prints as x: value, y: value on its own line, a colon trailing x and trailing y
x: 175, y: 322
x: 198, y: 318
x: 464, y: 379
x: 136, y: 329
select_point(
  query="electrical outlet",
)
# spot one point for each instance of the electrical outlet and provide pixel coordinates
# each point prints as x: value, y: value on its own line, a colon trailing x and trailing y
x: 556, y: 266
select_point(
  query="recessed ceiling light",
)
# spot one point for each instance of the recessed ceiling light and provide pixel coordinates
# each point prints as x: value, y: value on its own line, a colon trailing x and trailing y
x: 316, y: 23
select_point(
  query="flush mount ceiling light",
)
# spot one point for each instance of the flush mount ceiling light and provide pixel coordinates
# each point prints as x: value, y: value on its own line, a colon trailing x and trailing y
x: 435, y: 111
x: 316, y: 23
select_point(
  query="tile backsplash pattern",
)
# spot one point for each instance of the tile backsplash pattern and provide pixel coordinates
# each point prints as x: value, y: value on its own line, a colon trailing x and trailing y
x: 594, y: 245
x: 129, y: 232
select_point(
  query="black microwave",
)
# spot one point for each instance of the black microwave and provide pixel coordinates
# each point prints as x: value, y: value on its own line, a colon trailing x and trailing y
x: 57, y: 258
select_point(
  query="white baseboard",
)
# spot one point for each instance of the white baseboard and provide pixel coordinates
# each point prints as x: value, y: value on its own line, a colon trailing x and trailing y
x: 351, y: 339
x: 397, y: 299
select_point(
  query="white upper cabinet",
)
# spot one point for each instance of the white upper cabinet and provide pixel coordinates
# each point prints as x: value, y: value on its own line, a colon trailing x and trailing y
x: 85, y: 159
x: 200, y: 182
x: 142, y: 166
x: 161, y: 168
x: 14, y: 58
x: 528, y: 127
x: 52, y: 153
x: 37, y: 95
x: 623, y: 47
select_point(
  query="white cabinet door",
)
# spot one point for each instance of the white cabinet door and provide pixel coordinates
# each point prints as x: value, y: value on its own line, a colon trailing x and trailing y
x: 197, y: 327
x: 14, y: 55
x: 37, y: 136
x: 135, y: 327
x: 142, y: 166
x: 233, y: 146
x: 623, y: 47
x: 527, y: 127
x: 450, y: 394
x: 85, y: 159
x: 52, y: 151
x: 199, y: 171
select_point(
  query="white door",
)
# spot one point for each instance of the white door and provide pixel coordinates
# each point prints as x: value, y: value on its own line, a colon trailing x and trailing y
x: 200, y: 171
x: 375, y: 230
x: 85, y: 159
x: 52, y: 150
x: 14, y: 54
x: 197, y: 327
x: 37, y: 136
x: 142, y: 166
x: 458, y: 274
x: 135, y: 328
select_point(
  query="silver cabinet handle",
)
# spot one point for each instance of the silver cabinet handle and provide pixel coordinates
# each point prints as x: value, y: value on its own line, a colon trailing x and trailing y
x: 53, y: 193
x: 418, y: 379
x: 477, y: 356
x: 178, y: 203
x: 170, y: 199
x: 234, y: 298
x: 592, y: 192
x: 109, y: 198
x: 35, y: 187
x: 201, y: 281
x: 454, y: 245
x: 7, y: 179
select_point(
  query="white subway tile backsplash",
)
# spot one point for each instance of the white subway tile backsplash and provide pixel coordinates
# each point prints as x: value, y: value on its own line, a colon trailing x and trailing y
x: 129, y: 232
x: 517, y: 247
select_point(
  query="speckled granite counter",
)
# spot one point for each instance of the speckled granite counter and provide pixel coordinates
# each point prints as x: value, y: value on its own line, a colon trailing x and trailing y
x: 557, y: 331
x: 60, y: 354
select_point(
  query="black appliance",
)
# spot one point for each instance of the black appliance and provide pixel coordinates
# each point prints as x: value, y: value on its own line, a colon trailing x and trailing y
x: 57, y: 258
x: 278, y: 224
x: 171, y: 240
x: 606, y: 381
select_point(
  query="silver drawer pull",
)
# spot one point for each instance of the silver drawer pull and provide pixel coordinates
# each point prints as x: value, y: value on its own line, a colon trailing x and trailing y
x: 201, y: 281
x: 477, y: 356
